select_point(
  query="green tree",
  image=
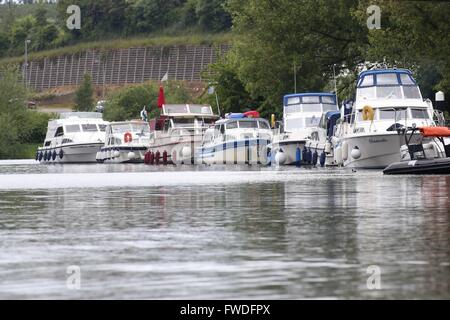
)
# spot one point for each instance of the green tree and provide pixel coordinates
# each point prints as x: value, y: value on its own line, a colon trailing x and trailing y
x: 212, y: 15
x: 84, y: 100
x: 415, y: 35
x: 277, y: 39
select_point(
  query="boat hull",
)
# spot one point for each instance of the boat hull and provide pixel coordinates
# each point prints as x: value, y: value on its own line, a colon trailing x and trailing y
x: 249, y: 151
x: 419, y: 167
x: 376, y: 151
x: 76, y: 153
x: 180, y: 149
x: 121, y: 154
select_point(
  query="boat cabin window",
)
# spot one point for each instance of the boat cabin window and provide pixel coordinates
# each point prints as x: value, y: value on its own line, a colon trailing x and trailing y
x: 419, y: 114
x: 73, y: 128
x: 102, y: 127
x: 89, y: 127
x: 248, y: 124
x: 412, y: 92
x: 264, y: 125
x: 232, y: 125
x: 47, y: 143
x: 406, y: 79
x: 293, y: 100
x: 311, y: 99
x: 59, y: 132
x: 365, y: 93
x: 389, y: 92
x: 391, y: 114
x: 328, y: 100
x: 184, y: 123
x: 367, y: 81
x: 387, y: 79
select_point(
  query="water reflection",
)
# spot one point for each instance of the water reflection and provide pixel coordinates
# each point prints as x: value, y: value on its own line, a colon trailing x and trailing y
x: 310, y: 236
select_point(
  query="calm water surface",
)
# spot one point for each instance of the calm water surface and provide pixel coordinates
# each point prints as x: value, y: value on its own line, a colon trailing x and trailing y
x: 141, y: 232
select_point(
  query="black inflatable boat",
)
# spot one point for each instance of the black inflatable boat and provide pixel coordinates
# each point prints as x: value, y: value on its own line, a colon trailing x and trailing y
x: 419, y: 164
x: 434, y: 166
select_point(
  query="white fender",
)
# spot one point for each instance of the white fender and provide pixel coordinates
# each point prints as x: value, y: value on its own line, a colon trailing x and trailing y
x: 345, y: 150
x: 338, y: 155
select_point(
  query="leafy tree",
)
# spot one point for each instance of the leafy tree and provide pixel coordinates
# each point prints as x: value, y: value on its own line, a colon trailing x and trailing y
x: 212, y: 15
x: 84, y: 100
x: 414, y: 34
x: 277, y: 39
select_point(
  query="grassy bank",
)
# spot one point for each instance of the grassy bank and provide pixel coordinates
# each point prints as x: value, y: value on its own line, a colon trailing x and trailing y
x: 142, y: 41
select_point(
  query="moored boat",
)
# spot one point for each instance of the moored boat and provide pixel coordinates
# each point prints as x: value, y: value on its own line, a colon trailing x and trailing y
x: 75, y: 137
x: 125, y: 142
x: 386, y: 100
x: 297, y: 140
x: 423, y: 158
x: 238, y: 139
x: 178, y: 132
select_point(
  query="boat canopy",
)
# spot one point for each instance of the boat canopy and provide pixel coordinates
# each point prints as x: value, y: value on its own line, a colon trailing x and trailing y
x: 435, y: 132
x: 310, y: 98
x: 187, y: 110
x: 387, y: 84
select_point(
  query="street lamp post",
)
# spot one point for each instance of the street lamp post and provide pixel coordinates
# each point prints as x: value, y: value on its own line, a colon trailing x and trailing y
x: 27, y: 42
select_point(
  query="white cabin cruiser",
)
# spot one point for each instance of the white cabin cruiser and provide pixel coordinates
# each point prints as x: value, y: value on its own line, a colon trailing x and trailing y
x: 301, y: 116
x: 238, y: 139
x: 75, y: 137
x: 178, y: 132
x: 386, y: 100
x: 125, y: 142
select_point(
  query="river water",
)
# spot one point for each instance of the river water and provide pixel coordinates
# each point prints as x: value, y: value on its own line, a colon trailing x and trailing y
x: 140, y: 232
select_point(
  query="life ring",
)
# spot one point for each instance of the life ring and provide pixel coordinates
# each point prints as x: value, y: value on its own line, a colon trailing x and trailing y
x: 128, y: 137
x: 368, y: 113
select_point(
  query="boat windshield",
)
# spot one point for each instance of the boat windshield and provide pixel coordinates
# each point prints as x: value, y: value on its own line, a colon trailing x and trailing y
x: 248, y: 124
x: 388, y: 85
x: 89, y: 127
x: 397, y: 114
x: 130, y: 127
x: 301, y: 123
x: 73, y: 128
x: 184, y: 123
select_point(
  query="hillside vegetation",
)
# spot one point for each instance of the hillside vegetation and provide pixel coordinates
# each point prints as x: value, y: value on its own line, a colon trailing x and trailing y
x: 278, y: 47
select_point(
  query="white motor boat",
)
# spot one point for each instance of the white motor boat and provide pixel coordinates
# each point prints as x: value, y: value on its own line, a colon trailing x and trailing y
x: 178, y: 132
x: 386, y: 101
x: 75, y: 137
x: 301, y: 117
x: 125, y: 142
x: 238, y: 139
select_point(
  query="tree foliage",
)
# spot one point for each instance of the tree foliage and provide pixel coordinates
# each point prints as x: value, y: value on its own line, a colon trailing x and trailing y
x: 84, y: 96
x: 19, y: 125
